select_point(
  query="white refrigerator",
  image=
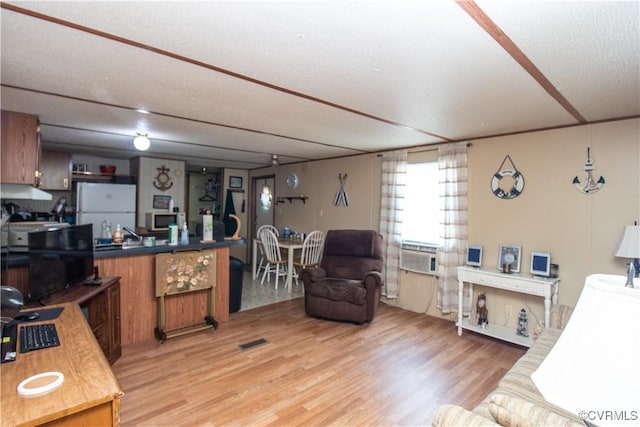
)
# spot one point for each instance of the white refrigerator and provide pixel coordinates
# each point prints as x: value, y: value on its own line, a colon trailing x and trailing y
x: 96, y: 202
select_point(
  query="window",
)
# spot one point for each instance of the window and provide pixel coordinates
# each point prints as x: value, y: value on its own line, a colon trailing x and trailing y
x: 421, y: 221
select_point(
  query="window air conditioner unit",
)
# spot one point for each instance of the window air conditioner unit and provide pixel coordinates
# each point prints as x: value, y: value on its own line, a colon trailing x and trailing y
x: 419, y: 259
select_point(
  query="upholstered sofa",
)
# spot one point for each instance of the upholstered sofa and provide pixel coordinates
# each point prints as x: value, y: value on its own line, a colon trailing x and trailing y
x: 347, y: 284
x: 516, y: 401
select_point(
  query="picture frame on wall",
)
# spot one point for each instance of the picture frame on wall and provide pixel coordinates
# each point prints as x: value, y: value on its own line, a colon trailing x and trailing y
x: 161, y: 202
x: 510, y: 255
x: 235, y: 182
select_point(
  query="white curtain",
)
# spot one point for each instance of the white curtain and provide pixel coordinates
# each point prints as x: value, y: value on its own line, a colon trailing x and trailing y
x: 452, y: 167
x: 394, y: 172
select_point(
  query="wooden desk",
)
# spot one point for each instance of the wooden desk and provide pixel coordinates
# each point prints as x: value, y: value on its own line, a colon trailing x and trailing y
x: 90, y: 393
x: 291, y: 246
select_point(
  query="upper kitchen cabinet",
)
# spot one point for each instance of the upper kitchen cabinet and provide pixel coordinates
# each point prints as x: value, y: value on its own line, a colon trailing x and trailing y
x: 20, y: 148
x: 56, y: 170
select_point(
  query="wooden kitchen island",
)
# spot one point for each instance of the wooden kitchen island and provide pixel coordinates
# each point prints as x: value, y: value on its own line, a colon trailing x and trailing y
x: 138, y: 304
x: 90, y: 393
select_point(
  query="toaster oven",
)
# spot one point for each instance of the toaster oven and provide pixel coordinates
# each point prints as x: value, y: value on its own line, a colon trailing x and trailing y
x: 15, y: 235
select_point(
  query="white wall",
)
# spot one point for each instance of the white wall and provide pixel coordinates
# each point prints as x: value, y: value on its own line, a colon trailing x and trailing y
x: 149, y: 178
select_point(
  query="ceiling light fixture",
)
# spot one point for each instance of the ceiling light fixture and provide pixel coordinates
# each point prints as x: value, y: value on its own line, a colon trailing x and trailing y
x: 141, y: 142
x: 274, y: 160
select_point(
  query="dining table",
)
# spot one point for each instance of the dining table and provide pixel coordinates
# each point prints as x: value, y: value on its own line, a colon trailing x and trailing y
x: 291, y: 245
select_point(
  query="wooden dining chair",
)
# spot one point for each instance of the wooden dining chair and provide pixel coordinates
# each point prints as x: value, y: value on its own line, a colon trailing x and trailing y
x: 311, y: 252
x: 275, y: 263
x: 263, y: 261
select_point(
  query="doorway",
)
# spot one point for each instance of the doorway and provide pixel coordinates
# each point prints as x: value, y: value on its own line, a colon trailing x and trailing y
x: 263, y: 205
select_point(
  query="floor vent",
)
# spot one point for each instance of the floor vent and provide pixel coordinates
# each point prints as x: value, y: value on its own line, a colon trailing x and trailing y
x: 254, y: 343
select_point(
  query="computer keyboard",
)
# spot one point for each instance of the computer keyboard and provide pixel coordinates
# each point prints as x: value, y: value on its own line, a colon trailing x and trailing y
x: 36, y: 337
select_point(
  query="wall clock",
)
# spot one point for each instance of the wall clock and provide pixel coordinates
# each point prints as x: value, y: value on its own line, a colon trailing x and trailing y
x: 292, y: 180
x: 507, y: 183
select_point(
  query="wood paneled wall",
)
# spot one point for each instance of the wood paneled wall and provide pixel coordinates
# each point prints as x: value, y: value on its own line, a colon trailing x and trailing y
x: 147, y: 170
x: 139, y: 306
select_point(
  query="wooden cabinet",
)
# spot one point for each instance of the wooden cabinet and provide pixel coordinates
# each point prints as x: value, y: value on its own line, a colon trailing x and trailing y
x: 20, y: 148
x: 103, y: 312
x: 17, y: 277
x: 56, y: 170
x: 101, y: 307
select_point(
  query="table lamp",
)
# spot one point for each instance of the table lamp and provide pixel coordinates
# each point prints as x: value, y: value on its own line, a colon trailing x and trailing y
x: 630, y: 248
x: 593, y: 369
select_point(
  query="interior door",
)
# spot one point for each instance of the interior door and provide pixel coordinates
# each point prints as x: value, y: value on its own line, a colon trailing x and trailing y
x: 263, y: 202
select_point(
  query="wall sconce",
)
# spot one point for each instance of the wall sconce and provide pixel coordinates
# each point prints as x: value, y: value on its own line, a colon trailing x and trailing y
x: 274, y: 160
x: 630, y: 248
x: 141, y: 142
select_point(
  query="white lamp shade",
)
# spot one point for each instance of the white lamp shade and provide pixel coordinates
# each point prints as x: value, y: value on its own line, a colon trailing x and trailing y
x: 630, y: 244
x: 594, y: 367
x: 141, y: 142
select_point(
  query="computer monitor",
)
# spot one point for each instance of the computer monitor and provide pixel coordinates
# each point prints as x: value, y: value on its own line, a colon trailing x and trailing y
x: 474, y: 256
x: 541, y: 264
x: 59, y: 258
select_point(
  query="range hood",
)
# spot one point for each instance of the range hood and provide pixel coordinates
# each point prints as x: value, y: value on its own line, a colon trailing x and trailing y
x: 23, y: 191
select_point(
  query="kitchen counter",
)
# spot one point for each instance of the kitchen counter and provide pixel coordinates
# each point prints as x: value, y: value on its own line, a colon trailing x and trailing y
x: 19, y: 259
x: 137, y: 269
x: 14, y: 259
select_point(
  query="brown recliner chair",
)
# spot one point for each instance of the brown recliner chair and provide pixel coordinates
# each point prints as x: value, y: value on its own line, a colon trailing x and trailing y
x: 347, y: 284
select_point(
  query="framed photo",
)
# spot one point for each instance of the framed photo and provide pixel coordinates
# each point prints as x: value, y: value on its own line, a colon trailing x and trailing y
x: 235, y: 182
x: 161, y: 202
x: 509, y: 254
x: 541, y: 264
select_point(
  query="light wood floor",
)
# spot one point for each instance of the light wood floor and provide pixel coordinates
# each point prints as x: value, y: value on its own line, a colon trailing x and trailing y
x: 395, y: 371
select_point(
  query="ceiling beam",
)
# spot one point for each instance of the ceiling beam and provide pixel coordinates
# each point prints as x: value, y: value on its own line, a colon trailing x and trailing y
x: 512, y: 49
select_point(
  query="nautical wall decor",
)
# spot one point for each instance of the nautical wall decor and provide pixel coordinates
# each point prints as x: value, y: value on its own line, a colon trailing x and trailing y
x: 163, y: 181
x: 507, y: 183
x: 341, y: 196
x: 590, y: 185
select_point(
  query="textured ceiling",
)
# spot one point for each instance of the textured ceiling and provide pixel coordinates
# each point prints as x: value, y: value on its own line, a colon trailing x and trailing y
x: 228, y: 84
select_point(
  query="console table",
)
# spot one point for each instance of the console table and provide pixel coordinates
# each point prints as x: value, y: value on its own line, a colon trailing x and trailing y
x: 525, y: 284
x: 90, y: 393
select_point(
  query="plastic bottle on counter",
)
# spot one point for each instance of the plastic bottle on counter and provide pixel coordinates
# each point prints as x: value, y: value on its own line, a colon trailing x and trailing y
x: 106, y: 233
x: 118, y: 235
x: 173, y: 235
x: 171, y: 204
x: 184, y: 237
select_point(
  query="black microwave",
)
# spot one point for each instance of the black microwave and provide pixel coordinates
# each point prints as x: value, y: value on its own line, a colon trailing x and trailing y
x: 160, y: 221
